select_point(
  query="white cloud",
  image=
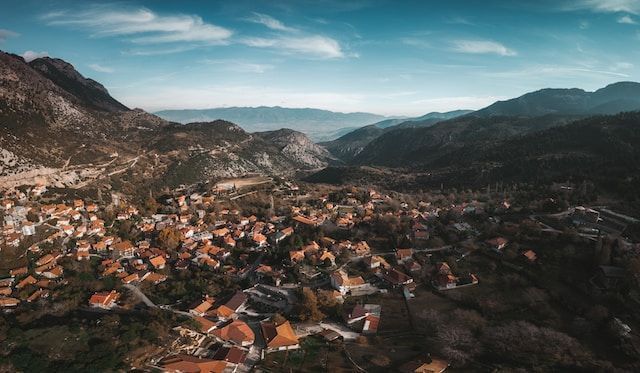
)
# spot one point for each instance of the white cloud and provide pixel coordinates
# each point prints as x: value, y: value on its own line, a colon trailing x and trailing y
x: 606, y: 6
x: 269, y: 22
x: 6, y: 34
x: 31, y: 55
x: 240, y: 66
x: 552, y: 71
x: 101, y: 69
x: 482, y: 47
x: 141, y: 25
x: 316, y: 46
x: 627, y: 20
x: 622, y: 66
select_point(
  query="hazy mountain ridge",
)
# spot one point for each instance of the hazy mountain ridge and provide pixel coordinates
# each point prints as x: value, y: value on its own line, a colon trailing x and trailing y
x: 315, y: 123
x: 351, y: 144
x: 528, y: 113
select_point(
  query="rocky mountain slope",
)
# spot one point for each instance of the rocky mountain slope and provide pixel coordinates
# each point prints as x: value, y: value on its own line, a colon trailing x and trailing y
x: 61, y: 128
x: 298, y: 147
x: 315, y: 123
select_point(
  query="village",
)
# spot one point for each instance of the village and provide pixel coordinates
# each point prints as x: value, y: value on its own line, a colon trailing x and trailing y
x: 271, y: 275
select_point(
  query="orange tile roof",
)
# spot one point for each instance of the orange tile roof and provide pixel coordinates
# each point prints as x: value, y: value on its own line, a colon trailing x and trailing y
x: 278, y: 336
x: 237, y: 332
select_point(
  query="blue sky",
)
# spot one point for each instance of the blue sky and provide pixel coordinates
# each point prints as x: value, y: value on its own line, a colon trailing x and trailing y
x: 388, y: 57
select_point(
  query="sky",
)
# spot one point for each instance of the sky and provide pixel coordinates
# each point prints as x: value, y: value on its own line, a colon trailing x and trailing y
x: 381, y: 56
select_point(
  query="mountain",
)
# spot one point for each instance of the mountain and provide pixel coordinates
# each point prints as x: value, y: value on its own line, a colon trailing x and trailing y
x: 298, y: 147
x: 315, y: 123
x: 349, y: 145
x: 526, y: 114
x: 614, y: 98
x: 604, y: 150
x: 51, y: 116
x: 63, y: 129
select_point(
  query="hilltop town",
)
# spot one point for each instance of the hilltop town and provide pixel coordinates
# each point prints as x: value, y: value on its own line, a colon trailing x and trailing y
x: 266, y: 274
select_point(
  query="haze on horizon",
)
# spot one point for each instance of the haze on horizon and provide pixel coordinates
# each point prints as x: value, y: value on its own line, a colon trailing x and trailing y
x: 384, y: 57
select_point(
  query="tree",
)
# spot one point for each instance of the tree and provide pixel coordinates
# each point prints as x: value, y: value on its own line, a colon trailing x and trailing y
x: 170, y: 238
x: 308, y: 308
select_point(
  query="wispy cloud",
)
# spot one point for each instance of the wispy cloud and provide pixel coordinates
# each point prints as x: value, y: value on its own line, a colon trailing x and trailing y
x: 482, y: 47
x: 240, y: 65
x: 31, y: 55
x: 100, y: 68
x: 584, y: 24
x: 269, y: 22
x: 413, y: 41
x: 6, y: 34
x: 141, y: 25
x: 316, y: 46
x: 605, y: 6
x: 627, y: 20
x: 546, y: 71
x: 458, y: 20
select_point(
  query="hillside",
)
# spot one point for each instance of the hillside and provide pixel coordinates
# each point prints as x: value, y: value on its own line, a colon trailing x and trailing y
x: 297, y: 147
x: 349, y: 145
x: 614, y: 98
x: 315, y: 123
x: 63, y: 129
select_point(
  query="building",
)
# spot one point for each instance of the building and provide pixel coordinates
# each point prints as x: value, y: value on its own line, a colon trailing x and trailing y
x: 104, y: 300
x: 279, y: 337
x: 345, y: 284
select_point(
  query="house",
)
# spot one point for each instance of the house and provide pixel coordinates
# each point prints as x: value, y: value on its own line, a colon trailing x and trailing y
x: 327, y: 256
x: 231, y: 307
x: 158, y: 262
x: 530, y: 256
x: 375, y: 261
x: 361, y: 248
x: 236, y: 332
x: 427, y: 365
x: 497, y: 244
x: 9, y: 302
x: 279, y: 337
x: 124, y: 249
x: 191, y: 364
x: 283, y: 234
x: 232, y: 356
x: 365, y: 317
x: 28, y: 228
x: 396, y: 278
x: 259, y: 239
x: 296, y: 256
x: 402, y: 255
x: 205, y: 325
x: 130, y: 278
x: 154, y: 278
x: 104, y: 300
x: 345, y: 284
x: 29, y: 280
x: 202, y: 308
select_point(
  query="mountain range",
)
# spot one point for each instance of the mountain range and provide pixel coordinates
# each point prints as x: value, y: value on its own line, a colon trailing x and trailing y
x: 63, y: 129
x: 529, y: 113
x: 317, y: 124
x: 347, y: 146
